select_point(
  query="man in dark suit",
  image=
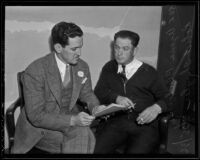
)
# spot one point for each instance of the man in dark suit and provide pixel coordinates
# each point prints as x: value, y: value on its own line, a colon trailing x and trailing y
x: 133, y: 84
x: 50, y: 121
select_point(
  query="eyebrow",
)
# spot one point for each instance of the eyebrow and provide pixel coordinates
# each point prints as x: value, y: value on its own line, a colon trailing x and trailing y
x: 122, y: 46
x: 77, y: 47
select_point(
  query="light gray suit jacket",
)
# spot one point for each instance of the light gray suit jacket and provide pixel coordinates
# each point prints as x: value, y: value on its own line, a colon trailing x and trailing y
x: 42, y: 94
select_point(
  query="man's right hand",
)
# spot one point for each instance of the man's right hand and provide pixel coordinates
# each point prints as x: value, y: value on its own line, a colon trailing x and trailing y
x: 124, y: 101
x: 82, y: 119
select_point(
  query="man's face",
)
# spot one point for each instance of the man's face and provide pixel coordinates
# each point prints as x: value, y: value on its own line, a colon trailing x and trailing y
x: 70, y: 53
x: 124, y: 50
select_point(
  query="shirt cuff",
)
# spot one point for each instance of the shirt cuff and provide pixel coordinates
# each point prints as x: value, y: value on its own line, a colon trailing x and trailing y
x: 158, y: 108
x: 72, y: 123
x: 113, y: 97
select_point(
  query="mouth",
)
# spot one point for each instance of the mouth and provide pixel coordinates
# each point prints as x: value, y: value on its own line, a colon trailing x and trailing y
x: 76, y: 58
x: 119, y: 58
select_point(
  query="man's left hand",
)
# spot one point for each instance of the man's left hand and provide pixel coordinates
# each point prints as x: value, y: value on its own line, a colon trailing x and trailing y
x: 149, y: 114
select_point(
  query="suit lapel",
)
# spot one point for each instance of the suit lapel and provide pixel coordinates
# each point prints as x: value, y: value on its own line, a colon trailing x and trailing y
x: 54, y: 80
x: 76, y: 86
x: 53, y: 77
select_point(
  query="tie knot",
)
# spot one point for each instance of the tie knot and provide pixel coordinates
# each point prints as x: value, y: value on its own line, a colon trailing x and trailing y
x: 67, y: 66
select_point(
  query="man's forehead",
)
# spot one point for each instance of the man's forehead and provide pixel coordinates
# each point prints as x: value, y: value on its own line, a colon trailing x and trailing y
x: 75, y: 41
x: 123, y: 41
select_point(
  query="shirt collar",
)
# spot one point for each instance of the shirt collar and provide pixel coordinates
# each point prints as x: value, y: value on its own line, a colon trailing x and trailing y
x: 134, y: 64
x: 61, y: 64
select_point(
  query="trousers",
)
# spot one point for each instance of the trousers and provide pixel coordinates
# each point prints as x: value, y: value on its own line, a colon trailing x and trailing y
x: 124, y: 130
x: 35, y: 150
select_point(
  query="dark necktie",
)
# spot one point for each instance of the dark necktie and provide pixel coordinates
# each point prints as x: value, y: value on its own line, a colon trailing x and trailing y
x: 67, y: 76
x: 124, y: 72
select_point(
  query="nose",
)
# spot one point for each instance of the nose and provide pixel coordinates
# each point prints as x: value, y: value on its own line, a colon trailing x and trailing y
x: 78, y: 52
x: 119, y: 52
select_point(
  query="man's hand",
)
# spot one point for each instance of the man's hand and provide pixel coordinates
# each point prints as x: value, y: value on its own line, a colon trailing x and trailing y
x: 124, y: 101
x: 82, y: 119
x: 149, y: 114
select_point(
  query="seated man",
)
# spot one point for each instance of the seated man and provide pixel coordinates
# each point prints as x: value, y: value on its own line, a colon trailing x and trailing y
x: 131, y: 83
x: 50, y: 121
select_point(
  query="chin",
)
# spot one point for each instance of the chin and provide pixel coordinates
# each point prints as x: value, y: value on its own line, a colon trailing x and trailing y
x: 120, y: 61
x: 74, y: 62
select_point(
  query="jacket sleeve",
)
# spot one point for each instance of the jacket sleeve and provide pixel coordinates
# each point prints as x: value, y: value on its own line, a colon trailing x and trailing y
x: 41, y: 112
x: 102, y: 89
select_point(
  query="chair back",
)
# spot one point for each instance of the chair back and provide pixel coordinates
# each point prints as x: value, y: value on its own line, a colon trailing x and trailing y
x: 10, y: 112
x: 20, y: 87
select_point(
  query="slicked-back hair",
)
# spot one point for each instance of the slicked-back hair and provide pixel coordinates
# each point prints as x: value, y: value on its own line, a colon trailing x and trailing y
x: 61, y: 32
x: 134, y: 37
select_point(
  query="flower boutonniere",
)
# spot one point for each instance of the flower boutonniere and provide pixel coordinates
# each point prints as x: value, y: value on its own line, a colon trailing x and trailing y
x: 80, y: 73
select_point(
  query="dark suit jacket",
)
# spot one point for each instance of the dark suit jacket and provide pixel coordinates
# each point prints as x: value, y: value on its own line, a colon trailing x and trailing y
x: 42, y: 94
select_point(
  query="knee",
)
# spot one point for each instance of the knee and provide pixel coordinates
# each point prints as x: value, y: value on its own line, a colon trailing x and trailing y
x: 100, y: 150
x: 143, y: 146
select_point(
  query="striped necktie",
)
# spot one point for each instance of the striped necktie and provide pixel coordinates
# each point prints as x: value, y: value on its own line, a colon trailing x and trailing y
x: 67, y: 76
x: 124, y: 72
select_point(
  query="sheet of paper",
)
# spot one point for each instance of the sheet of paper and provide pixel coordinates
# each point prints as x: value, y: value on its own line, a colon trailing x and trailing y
x: 109, y: 109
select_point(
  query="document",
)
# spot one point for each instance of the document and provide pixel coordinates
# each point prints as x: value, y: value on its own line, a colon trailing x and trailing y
x: 109, y: 109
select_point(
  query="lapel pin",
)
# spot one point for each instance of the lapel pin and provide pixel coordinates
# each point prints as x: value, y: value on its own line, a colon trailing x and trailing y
x: 80, y: 73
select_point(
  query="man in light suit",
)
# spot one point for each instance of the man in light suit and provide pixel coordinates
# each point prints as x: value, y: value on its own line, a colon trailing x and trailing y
x: 50, y: 121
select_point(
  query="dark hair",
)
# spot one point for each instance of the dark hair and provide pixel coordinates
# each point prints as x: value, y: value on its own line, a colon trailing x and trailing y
x: 61, y: 32
x: 134, y: 37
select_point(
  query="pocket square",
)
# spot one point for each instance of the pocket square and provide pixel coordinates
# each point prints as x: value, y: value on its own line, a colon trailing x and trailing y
x: 84, y: 80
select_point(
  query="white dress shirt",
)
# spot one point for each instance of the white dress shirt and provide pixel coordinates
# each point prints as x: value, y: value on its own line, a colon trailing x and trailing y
x: 131, y: 68
x: 61, y: 67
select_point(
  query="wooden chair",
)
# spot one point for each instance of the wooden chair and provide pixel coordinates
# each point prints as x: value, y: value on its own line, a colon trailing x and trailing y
x: 19, y: 103
x: 10, y: 119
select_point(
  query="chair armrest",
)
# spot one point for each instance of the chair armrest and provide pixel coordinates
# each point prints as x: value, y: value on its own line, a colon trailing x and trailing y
x: 163, y: 130
x: 10, y: 121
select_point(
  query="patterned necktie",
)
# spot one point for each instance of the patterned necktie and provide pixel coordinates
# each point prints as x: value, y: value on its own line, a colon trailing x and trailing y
x: 67, y: 76
x: 124, y: 72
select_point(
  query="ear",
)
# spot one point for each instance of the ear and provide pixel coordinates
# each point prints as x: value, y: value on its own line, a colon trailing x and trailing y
x: 58, y: 48
x: 135, y: 50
